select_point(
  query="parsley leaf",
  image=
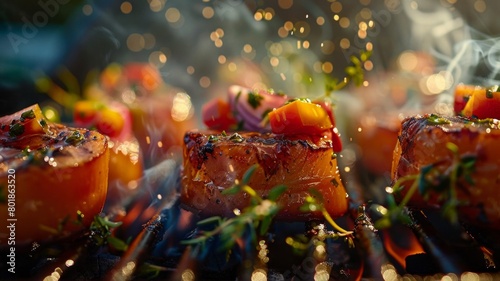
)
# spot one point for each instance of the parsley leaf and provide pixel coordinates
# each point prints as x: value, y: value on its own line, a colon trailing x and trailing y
x: 254, y: 99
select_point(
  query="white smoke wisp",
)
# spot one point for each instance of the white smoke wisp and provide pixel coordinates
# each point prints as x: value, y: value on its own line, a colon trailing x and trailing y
x: 462, y: 53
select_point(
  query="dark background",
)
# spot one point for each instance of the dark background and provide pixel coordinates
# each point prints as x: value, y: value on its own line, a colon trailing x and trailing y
x: 68, y: 38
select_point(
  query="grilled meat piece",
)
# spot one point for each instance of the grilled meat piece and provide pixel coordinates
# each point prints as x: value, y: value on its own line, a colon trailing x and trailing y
x: 214, y: 161
x: 423, y: 141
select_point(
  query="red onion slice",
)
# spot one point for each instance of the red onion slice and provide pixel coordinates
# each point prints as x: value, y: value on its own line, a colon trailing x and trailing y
x: 251, y: 106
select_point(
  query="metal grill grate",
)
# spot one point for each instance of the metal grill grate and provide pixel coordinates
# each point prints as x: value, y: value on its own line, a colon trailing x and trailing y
x: 158, y: 225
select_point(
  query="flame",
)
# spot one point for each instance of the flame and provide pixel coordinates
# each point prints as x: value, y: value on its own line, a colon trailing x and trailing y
x: 400, y: 242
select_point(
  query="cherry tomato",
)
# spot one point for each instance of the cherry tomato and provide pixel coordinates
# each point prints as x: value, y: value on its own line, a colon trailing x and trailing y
x: 484, y: 103
x: 299, y: 117
x: 110, y: 122
x: 217, y: 115
x: 84, y: 113
x: 111, y: 76
x: 143, y: 74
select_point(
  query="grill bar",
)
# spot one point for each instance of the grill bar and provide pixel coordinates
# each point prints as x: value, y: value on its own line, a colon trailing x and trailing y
x: 369, y: 244
x: 448, y: 255
x: 137, y: 252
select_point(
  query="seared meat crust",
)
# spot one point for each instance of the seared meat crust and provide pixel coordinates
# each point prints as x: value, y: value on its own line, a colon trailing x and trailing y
x: 214, y: 161
x: 422, y: 141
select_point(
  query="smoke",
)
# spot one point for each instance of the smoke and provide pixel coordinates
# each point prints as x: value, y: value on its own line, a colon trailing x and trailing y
x: 476, y: 61
x: 468, y: 54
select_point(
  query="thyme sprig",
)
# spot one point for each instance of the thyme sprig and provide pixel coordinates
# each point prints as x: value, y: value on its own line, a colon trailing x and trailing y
x: 100, y: 233
x: 314, y: 202
x: 302, y: 243
x: 149, y: 271
x: 354, y: 72
x: 438, y: 179
x: 254, y: 220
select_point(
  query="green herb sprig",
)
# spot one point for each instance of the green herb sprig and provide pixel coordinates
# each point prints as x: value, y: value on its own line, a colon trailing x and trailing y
x: 437, y: 178
x: 100, y: 233
x: 302, y: 243
x: 255, y: 219
x: 149, y: 271
x: 354, y: 72
x: 314, y: 203
x: 254, y: 99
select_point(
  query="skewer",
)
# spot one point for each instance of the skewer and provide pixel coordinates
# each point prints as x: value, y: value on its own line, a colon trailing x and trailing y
x: 486, y: 246
x: 369, y: 244
x: 367, y: 240
x: 449, y: 259
x: 137, y: 251
x: 144, y: 242
x: 433, y: 246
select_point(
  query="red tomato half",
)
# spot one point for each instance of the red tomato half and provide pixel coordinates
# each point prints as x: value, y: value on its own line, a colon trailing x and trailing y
x: 217, y: 115
x: 85, y: 113
x: 144, y: 74
x: 110, y: 122
x: 484, y: 103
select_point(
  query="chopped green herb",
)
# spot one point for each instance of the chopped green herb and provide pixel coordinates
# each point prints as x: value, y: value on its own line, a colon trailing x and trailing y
x: 100, y: 233
x: 254, y: 99
x: 335, y: 182
x: 62, y: 224
x: 213, y: 138
x: 240, y: 125
x: 236, y: 138
x: 279, y: 93
x: 354, y: 72
x: 434, y: 119
x: 265, y: 113
x: 26, y: 151
x: 148, y: 271
x: 489, y: 94
x: 43, y: 123
x: 79, y: 217
x: 491, y: 90
x: 75, y: 138
x: 30, y: 114
x: 16, y: 129
x: 300, y: 99
x: 236, y: 99
x: 314, y: 203
x: 486, y: 121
